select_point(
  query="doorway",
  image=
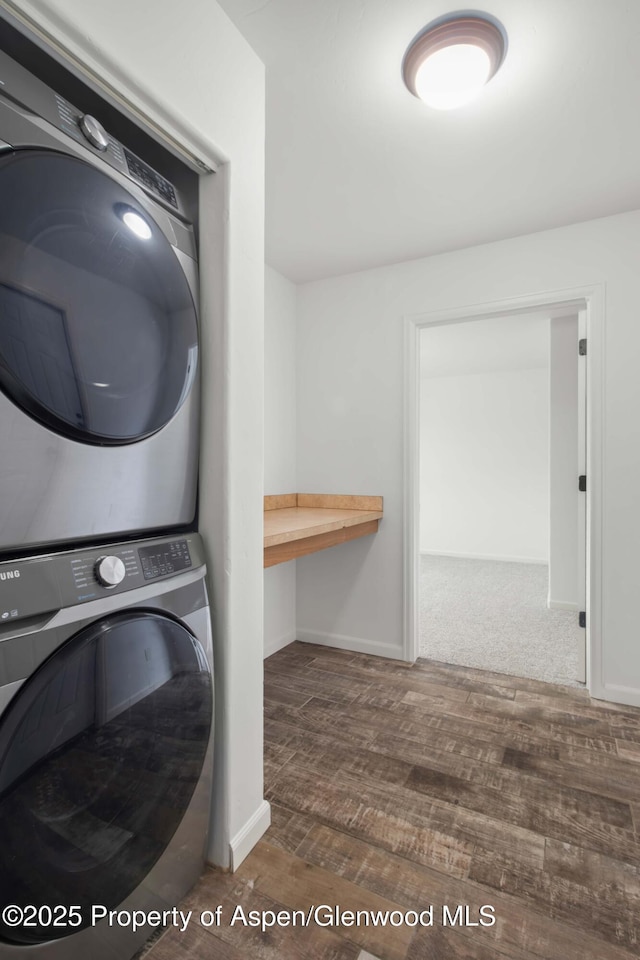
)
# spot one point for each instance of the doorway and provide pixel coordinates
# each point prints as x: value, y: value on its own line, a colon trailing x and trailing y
x: 542, y: 573
x: 501, y: 578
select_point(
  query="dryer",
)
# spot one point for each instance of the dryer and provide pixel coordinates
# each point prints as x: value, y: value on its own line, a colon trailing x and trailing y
x: 99, y: 398
x: 106, y: 706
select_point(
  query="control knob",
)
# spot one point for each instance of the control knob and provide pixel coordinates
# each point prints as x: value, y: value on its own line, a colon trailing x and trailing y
x: 94, y: 132
x: 110, y: 571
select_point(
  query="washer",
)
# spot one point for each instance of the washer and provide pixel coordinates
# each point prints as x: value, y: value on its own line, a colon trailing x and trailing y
x: 99, y: 396
x: 106, y: 707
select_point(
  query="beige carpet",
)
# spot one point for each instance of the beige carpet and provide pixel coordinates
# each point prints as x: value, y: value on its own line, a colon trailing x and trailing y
x: 493, y: 615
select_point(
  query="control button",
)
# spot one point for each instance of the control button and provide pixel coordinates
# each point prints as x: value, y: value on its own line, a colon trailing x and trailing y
x: 94, y: 132
x: 109, y: 571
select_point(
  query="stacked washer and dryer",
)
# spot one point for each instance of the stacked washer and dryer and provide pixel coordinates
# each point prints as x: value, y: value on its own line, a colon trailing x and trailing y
x: 106, y: 693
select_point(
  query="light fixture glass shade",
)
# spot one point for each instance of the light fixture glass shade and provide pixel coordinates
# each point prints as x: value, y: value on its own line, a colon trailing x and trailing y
x: 450, y: 61
x: 453, y: 76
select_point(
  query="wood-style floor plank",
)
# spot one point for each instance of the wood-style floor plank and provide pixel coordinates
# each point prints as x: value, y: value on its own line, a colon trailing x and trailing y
x: 413, y: 885
x: 288, y: 829
x: 402, y: 786
x: 373, y: 816
x: 589, y: 721
x: 577, y: 886
x: 461, y: 674
x: 489, y: 713
x: 195, y: 943
x: 297, y: 884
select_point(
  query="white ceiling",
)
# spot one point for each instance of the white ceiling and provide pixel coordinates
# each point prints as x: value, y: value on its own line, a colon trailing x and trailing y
x: 485, y: 346
x: 360, y: 173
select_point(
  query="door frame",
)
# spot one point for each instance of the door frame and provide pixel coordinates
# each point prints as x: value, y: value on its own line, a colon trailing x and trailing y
x: 590, y: 300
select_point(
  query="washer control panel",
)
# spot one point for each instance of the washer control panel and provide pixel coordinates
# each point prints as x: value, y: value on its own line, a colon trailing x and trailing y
x: 37, y: 585
x: 104, y: 569
x: 164, y: 560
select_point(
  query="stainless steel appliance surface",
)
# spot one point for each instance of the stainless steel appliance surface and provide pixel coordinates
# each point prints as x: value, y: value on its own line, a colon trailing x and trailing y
x: 99, y: 383
x: 106, y: 716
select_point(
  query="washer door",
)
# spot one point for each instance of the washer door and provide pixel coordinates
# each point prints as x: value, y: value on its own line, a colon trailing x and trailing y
x: 98, y: 331
x: 100, y: 753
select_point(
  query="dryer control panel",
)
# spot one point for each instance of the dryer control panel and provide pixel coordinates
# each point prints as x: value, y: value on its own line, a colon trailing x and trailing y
x: 21, y: 87
x: 38, y: 585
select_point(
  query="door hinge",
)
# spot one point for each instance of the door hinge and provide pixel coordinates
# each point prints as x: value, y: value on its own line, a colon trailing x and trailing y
x: 582, y: 618
x: 582, y: 483
x: 582, y: 347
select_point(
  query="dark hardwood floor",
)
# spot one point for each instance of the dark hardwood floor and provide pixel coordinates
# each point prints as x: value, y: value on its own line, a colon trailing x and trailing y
x: 397, y: 787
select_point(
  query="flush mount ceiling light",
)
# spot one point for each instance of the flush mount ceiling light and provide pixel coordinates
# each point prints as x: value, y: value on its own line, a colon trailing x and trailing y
x: 448, y: 63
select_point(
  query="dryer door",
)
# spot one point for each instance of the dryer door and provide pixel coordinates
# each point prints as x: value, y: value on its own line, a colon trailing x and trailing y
x: 98, y: 333
x: 100, y: 753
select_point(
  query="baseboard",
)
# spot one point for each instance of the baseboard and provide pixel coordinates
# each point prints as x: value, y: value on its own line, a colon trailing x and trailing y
x: 245, y: 839
x: 562, y: 605
x: 482, y: 556
x: 357, y: 644
x: 277, y: 643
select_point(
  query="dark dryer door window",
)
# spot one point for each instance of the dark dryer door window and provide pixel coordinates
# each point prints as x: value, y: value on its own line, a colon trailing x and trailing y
x: 98, y: 334
x: 100, y: 753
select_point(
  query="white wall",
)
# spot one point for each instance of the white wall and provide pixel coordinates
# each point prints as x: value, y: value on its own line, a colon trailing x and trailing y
x: 565, y: 500
x: 484, y: 464
x: 279, y: 446
x: 192, y: 70
x: 351, y: 382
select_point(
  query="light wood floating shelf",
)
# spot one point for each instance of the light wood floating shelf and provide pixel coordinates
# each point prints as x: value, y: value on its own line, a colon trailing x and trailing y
x: 296, y: 524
